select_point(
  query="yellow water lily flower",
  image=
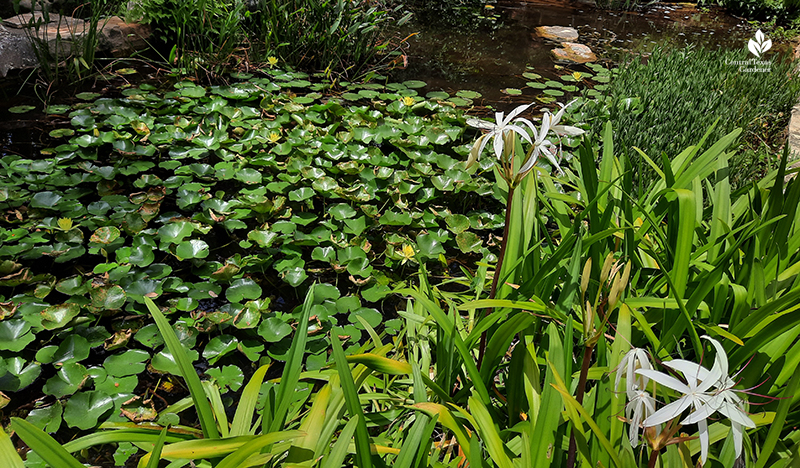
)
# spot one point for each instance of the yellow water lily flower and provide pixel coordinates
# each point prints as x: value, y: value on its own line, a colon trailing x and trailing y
x: 65, y: 224
x: 272, y: 61
x: 274, y: 137
x: 407, y: 254
x: 408, y: 100
x: 577, y: 75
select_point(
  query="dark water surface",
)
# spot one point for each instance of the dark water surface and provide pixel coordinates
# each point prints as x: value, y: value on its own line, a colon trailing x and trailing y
x: 489, y: 60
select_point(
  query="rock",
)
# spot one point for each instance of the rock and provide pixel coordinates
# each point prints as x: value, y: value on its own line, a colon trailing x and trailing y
x: 38, y: 5
x: 557, y: 33
x: 575, y: 53
x: 64, y: 36
x: 16, y: 51
x: 121, y: 38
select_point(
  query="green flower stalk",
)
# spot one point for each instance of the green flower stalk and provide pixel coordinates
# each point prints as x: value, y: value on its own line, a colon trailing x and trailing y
x: 503, y: 134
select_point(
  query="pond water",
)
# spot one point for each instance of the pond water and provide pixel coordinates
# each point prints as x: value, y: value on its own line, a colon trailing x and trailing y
x: 492, y: 59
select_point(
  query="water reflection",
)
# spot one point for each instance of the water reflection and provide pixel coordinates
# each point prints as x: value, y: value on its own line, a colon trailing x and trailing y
x: 491, y: 60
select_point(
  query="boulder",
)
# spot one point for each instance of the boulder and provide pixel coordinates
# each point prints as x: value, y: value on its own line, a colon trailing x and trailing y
x: 64, y: 37
x: 62, y: 34
x: 121, y: 38
x: 557, y: 33
x: 574, y: 53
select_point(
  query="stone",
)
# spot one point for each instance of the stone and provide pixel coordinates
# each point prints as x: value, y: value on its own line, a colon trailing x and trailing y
x: 121, y: 38
x: 64, y: 37
x: 557, y: 33
x: 574, y: 53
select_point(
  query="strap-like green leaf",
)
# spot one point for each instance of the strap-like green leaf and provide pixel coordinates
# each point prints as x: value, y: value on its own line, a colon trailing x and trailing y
x: 201, y: 404
x: 45, y: 446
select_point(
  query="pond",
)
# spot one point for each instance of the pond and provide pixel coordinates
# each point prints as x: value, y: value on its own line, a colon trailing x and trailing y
x: 489, y: 60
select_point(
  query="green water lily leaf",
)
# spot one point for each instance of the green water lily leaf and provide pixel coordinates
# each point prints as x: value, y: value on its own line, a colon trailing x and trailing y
x: 342, y: 211
x: 513, y: 91
x: 58, y: 315
x: 15, y: 335
x: 87, y: 96
x: 165, y: 363
x: 149, y: 336
x: 219, y: 347
x: 323, y: 254
x: 57, y: 109
x: 21, y: 109
x: 85, y: 408
x: 457, y: 223
x: 131, y: 362
x: 241, y: 289
x: 73, y: 286
x: 174, y: 233
x: 194, y: 248
x: 248, y: 176
x: 20, y: 374
x: 61, y: 132
x: 45, y: 200
x: 67, y: 381
x: 294, y: 276
x: 392, y: 218
x: 106, y: 298
x: 430, y: 245
x: 468, y: 242
x: 375, y: 293
x: 47, y: 418
x: 229, y: 377
x: 73, y: 349
x: 262, y: 238
x: 414, y: 84
x: 303, y: 193
x: 274, y: 329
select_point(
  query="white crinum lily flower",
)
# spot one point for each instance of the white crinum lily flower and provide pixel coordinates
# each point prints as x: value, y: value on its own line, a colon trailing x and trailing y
x: 699, y: 381
x: 640, y: 403
x: 725, y: 400
x: 541, y: 144
x: 497, y: 133
x: 695, y: 394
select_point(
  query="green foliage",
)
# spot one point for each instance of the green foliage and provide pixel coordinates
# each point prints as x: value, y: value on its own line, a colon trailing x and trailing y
x: 330, y: 35
x: 662, y: 104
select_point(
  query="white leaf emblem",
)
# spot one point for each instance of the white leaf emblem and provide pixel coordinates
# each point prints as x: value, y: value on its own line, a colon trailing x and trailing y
x: 760, y: 45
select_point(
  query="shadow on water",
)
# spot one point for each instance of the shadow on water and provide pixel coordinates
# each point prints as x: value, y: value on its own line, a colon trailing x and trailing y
x: 490, y: 60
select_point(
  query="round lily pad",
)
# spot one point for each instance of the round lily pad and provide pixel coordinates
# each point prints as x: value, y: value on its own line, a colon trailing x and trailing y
x: 21, y: 109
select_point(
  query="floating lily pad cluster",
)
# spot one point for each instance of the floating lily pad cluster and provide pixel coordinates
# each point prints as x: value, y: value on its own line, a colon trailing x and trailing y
x: 592, y: 84
x: 218, y: 203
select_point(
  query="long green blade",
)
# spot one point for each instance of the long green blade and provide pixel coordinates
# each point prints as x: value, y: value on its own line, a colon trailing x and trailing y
x: 363, y: 451
x: 201, y: 403
x: 247, y: 403
x: 8, y: 454
x: 45, y: 446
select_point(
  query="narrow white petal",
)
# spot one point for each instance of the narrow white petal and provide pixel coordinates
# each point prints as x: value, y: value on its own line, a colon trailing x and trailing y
x: 567, y: 130
x: 665, y: 380
x: 521, y: 132
x: 482, y: 124
x: 516, y: 112
x: 498, y: 145
x: 737, y: 438
x: 669, y: 412
x: 702, y: 427
x: 721, y: 358
x: 735, y: 414
x: 498, y: 117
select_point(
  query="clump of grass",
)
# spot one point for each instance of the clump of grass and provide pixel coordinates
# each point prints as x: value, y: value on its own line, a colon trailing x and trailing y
x: 667, y: 101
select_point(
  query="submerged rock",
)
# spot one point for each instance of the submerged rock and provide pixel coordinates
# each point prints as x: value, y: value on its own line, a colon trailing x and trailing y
x: 64, y: 36
x: 557, y: 33
x: 574, y: 53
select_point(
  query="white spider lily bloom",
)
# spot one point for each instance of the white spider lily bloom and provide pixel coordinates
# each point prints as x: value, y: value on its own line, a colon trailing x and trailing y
x: 640, y: 405
x: 695, y: 394
x: 633, y: 360
x: 541, y: 145
x: 497, y: 133
x: 725, y: 400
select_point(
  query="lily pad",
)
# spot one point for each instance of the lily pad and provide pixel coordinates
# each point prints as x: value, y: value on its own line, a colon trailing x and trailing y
x: 243, y: 288
x: 21, y: 109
